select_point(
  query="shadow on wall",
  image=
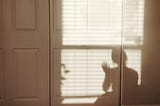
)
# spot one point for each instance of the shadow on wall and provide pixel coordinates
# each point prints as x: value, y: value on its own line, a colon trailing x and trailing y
x: 148, y: 92
x: 130, y: 88
x: 132, y: 93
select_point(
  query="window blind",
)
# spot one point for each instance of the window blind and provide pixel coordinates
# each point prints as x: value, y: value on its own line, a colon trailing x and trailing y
x: 100, y: 22
x: 133, y: 22
x: 96, y: 23
x: 85, y: 77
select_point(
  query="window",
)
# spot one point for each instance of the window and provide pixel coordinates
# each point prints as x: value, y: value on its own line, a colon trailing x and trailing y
x: 85, y: 33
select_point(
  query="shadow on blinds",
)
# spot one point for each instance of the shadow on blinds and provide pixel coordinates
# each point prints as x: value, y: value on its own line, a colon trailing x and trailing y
x: 88, y: 75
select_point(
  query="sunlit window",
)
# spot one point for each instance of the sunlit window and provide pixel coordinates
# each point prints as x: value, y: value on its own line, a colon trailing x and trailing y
x: 100, y: 22
x: 85, y: 75
x: 86, y: 32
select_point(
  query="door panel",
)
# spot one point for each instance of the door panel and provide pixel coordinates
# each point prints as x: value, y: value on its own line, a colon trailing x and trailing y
x: 1, y: 76
x: 1, y: 15
x: 25, y: 41
x: 27, y: 79
x: 26, y: 19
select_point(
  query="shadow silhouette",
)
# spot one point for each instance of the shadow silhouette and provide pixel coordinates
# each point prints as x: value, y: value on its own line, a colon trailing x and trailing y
x: 112, y: 81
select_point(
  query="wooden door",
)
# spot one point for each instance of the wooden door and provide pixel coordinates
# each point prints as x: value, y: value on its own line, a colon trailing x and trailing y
x: 24, y: 52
